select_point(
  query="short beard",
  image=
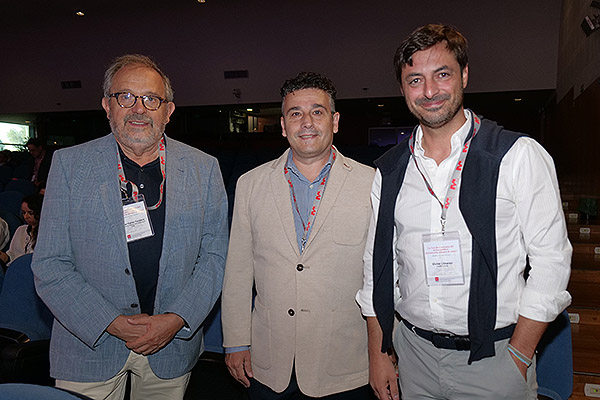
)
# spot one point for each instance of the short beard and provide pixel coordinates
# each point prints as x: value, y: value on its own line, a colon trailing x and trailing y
x: 443, y: 119
x: 137, y: 141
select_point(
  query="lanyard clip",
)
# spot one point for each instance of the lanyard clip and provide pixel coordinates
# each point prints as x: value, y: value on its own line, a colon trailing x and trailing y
x: 443, y: 222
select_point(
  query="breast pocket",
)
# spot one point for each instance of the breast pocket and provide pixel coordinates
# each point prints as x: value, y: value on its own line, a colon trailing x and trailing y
x: 350, y: 224
x: 190, y: 221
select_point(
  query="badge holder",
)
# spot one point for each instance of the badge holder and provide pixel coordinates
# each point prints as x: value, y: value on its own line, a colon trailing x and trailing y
x: 443, y: 259
x: 137, y: 220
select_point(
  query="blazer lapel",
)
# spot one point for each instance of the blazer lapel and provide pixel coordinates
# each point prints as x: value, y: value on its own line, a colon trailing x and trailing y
x: 337, y: 176
x: 175, y: 181
x: 109, y: 190
x: 283, y: 202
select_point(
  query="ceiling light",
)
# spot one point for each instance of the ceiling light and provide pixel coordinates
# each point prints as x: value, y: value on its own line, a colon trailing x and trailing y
x: 249, y: 109
x: 518, y: 99
x: 80, y: 13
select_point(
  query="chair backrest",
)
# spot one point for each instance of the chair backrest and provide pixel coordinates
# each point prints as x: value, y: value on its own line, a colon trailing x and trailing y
x: 20, y: 307
x: 1, y: 278
x: 24, y: 170
x: 24, y: 391
x: 6, y: 173
x: 21, y: 185
x: 12, y: 220
x: 555, y: 360
x: 11, y: 200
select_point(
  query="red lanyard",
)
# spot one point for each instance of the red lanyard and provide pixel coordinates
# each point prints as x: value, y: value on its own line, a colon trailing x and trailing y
x: 316, y: 202
x: 456, y: 175
x: 162, y: 155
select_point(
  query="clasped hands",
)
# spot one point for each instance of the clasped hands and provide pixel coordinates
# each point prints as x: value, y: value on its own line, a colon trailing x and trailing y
x: 145, y: 334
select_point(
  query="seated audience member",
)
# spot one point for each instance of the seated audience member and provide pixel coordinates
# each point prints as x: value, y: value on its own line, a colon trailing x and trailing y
x: 5, y: 157
x: 42, y: 159
x: 4, y: 233
x: 25, y: 236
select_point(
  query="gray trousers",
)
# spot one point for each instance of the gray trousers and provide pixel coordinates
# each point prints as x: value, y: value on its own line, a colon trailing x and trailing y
x: 427, y: 372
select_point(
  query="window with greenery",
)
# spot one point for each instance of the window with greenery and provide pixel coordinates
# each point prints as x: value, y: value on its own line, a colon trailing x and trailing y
x: 13, y: 136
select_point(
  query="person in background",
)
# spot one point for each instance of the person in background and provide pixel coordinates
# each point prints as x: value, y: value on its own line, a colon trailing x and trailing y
x: 25, y: 236
x: 4, y: 233
x: 41, y: 160
x: 5, y: 157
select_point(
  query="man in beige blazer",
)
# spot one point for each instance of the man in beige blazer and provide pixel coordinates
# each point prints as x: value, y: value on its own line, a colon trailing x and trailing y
x: 298, y: 235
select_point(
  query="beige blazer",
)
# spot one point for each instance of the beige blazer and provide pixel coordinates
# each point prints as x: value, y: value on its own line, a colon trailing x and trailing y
x: 304, y: 308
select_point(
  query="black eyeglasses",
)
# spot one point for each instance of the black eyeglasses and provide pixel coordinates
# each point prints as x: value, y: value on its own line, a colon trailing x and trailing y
x: 128, y: 100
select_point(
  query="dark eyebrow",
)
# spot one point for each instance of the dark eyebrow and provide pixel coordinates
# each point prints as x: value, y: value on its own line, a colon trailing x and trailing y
x: 442, y: 68
x: 413, y: 74
x: 291, y: 109
x: 417, y: 74
x: 312, y: 107
x: 145, y: 94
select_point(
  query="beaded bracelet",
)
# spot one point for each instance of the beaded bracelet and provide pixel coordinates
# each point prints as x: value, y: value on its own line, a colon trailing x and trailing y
x: 520, y: 356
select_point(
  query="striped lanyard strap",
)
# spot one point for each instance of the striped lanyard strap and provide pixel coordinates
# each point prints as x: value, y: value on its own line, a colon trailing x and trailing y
x: 316, y: 202
x: 456, y: 174
x: 162, y: 155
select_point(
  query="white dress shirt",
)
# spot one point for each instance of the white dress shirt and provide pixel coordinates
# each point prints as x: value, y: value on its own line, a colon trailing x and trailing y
x: 529, y: 222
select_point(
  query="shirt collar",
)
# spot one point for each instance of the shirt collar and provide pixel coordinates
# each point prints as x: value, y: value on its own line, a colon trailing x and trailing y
x: 127, y: 161
x: 294, y: 169
x: 457, y: 140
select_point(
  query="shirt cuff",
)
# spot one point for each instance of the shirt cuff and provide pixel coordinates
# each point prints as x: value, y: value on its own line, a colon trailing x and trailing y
x: 543, y: 307
x: 236, y: 349
x: 363, y: 298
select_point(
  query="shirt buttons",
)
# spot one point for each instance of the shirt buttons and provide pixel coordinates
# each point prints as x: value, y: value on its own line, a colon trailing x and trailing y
x: 291, y: 312
x: 127, y: 271
x: 299, y: 267
x: 134, y: 305
x: 141, y: 185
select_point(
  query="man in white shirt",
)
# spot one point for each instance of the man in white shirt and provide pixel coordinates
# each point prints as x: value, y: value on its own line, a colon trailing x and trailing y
x: 459, y: 208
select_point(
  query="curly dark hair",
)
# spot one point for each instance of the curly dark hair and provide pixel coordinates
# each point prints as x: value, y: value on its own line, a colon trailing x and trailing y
x: 428, y: 36
x: 310, y: 80
x: 34, y: 202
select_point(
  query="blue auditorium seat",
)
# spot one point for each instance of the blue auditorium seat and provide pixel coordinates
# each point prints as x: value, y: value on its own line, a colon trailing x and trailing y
x: 11, y: 201
x: 21, y: 185
x: 555, y: 360
x: 25, y: 327
x: 22, y: 391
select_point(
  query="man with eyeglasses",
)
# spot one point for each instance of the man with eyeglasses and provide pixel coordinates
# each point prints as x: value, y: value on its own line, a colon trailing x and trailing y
x: 131, y: 248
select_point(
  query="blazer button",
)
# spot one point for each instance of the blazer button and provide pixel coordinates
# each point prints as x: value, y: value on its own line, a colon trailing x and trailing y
x: 291, y: 312
x: 127, y: 271
x: 134, y: 305
x: 299, y: 267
